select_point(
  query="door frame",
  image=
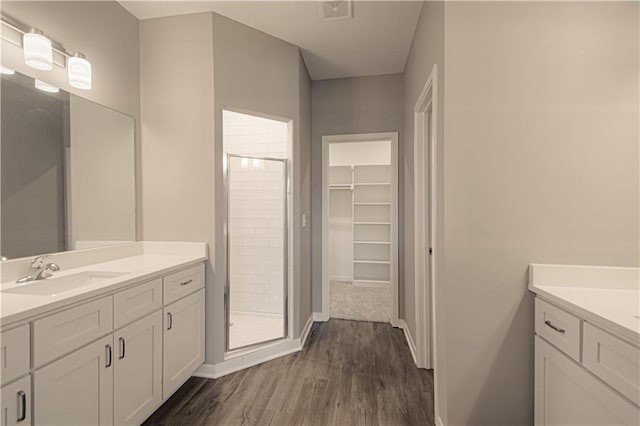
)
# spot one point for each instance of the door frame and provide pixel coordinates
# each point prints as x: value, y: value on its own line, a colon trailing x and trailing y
x: 350, y: 138
x: 425, y: 174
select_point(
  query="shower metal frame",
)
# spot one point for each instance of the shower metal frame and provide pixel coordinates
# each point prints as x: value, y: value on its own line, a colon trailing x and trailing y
x: 227, y: 288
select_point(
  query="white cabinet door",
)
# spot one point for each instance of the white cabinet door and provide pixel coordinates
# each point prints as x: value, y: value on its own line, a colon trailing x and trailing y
x: 77, y: 389
x: 138, y: 370
x: 183, y: 340
x: 567, y: 394
x: 16, y: 403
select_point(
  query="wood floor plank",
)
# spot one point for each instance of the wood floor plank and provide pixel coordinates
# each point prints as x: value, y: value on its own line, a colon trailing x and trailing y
x: 349, y: 373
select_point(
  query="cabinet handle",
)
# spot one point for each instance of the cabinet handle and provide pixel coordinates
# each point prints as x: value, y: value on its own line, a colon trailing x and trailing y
x: 122, y: 347
x: 549, y: 324
x: 109, y: 355
x: 170, y: 318
x: 186, y: 282
x: 22, y: 406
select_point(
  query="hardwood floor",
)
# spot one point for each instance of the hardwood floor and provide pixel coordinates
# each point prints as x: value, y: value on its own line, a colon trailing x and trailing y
x: 349, y: 373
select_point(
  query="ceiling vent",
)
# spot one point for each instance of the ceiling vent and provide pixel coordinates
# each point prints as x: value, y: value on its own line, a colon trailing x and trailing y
x: 335, y: 10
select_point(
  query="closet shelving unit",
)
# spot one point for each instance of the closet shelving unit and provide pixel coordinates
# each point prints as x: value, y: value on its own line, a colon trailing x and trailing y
x: 371, y: 219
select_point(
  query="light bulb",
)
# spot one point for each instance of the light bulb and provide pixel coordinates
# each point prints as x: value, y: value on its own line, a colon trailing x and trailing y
x: 46, y: 87
x: 79, y: 71
x: 37, y: 50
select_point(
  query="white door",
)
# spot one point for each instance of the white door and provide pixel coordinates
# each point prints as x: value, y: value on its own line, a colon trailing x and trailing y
x: 78, y: 389
x: 137, y: 376
x: 16, y: 403
x: 183, y: 340
x: 567, y: 394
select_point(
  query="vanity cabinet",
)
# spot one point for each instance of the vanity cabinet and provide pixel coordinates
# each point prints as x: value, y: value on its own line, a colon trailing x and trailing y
x: 15, y: 402
x: 104, y: 361
x: 583, y: 375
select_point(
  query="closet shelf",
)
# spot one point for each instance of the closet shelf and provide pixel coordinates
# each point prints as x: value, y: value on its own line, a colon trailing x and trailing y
x: 371, y: 242
x: 372, y: 223
x: 336, y: 186
x: 371, y: 204
x: 379, y: 262
x: 371, y: 183
x: 372, y: 281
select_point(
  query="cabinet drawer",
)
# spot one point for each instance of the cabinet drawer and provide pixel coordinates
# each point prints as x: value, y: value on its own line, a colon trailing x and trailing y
x: 558, y: 327
x: 14, y: 353
x: 180, y: 284
x: 129, y: 305
x: 613, y: 360
x: 61, y: 333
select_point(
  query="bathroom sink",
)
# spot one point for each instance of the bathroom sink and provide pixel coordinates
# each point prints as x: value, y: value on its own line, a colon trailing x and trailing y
x: 55, y: 285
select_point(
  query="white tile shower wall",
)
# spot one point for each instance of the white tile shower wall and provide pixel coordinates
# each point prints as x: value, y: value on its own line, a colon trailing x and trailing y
x: 256, y: 213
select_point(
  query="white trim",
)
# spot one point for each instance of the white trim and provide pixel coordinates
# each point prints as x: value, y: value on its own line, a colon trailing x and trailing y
x: 360, y: 137
x: 410, y: 342
x: 425, y: 297
x: 255, y: 357
x: 305, y: 331
x: 320, y: 317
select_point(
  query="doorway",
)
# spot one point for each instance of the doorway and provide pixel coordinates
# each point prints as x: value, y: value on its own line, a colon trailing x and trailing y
x: 360, y: 223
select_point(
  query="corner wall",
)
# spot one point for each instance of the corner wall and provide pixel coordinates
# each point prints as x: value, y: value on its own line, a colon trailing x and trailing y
x: 427, y: 50
x: 541, y: 166
x: 183, y: 194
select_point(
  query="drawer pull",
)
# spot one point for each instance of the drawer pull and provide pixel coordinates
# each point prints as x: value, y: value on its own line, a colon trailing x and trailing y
x: 109, y: 356
x: 22, y: 406
x: 550, y: 324
x: 122, y: 347
x: 170, y: 318
x: 186, y: 282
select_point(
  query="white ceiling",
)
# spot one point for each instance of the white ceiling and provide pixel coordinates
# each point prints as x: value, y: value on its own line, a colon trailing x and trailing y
x: 376, y: 41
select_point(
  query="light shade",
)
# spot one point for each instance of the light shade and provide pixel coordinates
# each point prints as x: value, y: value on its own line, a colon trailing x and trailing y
x: 46, y: 87
x: 79, y: 71
x: 37, y: 50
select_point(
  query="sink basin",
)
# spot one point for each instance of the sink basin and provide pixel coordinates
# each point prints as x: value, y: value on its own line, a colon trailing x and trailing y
x: 56, y: 285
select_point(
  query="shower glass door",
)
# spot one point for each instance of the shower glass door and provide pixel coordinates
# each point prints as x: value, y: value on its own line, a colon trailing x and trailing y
x: 256, y: 292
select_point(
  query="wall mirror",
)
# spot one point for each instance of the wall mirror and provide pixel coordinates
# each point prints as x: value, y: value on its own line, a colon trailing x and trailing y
x: 67, y: 171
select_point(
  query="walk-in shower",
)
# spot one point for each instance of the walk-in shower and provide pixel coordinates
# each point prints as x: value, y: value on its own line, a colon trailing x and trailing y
x: 256, y: 193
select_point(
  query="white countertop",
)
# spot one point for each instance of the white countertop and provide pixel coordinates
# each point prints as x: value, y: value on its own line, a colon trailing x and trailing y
x: 610, y: 303
x: 137, y: 268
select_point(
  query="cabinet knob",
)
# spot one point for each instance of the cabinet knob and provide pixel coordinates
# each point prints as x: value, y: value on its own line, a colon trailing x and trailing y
x: 109, y: 356
x: 170, y: 319
x: 553, y: 327
x: 122, y: 347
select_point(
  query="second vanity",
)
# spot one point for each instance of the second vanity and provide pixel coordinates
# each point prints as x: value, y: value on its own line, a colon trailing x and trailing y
x: 107, y: 339
x: 587, y: 345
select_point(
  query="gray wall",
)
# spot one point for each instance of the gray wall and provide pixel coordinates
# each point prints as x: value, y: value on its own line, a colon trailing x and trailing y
x: 344, y: 106
x: 427, y: 50
x: 33, y: 185
x: 182, y: 137
x: 541, y: 165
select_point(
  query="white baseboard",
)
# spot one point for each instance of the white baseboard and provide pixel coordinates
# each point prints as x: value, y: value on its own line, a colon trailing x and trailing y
x: 407, y: 334
x: 320, y: 317
x: 255, y: 357
x: 305, y: 332
x: 439, y: 421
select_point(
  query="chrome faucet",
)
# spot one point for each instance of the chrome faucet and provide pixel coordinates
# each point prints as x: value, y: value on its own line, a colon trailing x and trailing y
x: 38, y: 270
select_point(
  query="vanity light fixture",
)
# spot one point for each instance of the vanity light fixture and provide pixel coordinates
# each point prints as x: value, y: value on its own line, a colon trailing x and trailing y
x: 6, y: 71
x: 79, y: 71
x: 37, y: 49
x: 46, y: 87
